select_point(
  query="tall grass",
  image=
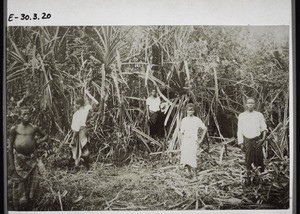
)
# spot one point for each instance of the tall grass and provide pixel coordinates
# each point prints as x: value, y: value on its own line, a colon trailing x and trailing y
x: 196, y: 64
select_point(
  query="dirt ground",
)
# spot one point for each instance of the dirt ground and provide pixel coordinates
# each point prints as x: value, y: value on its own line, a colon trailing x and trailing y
x: 157, y: 183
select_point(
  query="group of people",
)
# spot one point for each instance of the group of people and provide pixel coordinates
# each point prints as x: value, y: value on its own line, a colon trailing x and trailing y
x: 23, y: 169
x: 251, y: 135
x: 22, y: 154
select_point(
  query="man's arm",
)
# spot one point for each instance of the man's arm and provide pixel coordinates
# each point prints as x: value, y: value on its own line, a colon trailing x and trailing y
x: 12, y: 138
x: 181, y: 131
x: 180, y: 134
x: 204, y: 128
x: 147, y: 112
x: 42, y: 133
x: 12, y: 169
x: 239, y: 131
x: 264, y: 135
x: 203, y: 134
x: 263, y: 127
x: 89, y: 97
x: 262, y: 140
x: 147, y: 109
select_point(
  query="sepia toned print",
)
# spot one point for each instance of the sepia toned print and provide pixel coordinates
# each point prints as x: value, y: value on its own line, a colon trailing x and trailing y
x: 100, y: 110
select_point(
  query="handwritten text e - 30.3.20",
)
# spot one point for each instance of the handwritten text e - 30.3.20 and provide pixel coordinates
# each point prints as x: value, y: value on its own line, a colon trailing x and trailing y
x: 23, y: 16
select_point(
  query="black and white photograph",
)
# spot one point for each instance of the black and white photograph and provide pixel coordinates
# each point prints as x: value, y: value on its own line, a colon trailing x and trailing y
x: 148, y: 117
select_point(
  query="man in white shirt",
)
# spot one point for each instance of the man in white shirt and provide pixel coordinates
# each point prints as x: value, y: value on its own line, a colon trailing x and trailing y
x: 80, y: 137
x: 153, y: 110
x: 251, y: 133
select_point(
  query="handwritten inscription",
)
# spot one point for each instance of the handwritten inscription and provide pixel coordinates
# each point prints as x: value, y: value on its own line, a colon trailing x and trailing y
x: 25, y: 17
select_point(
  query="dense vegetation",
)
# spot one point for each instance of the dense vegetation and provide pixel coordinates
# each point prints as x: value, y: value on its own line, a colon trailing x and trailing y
x: 214, y: 67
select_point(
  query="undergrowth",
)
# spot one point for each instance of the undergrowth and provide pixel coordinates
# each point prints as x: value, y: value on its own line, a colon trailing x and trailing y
x: 159, y: 183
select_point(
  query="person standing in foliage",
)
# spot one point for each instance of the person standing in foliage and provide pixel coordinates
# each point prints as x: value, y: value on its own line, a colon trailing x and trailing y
x: 80, y: 136
x: 153, y: 110
x: 161, y: 119
x: 22, y: 157
x: 251, y: 135
x: 190, y: 128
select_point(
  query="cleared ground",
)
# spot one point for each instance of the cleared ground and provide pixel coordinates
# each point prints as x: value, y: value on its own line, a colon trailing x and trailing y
x: 157, y: 183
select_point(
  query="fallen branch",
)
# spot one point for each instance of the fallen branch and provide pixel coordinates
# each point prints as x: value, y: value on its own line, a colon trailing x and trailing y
x: 112, y: 200
x: 178, y: 204
x: 230, y: 140
x: 231, y: 201
x: 221, y: 154
x: 176, y: 190
x: 60, y: 202
x: 190, y: 204
x: 172, y: 151
x: 167, y: 167
x: 145, y: 143
x: 108, y: 206
x: 145, y: 136
x: 169, y: 151
x: 54, y: 139
x: 197, y: 202
x: 257, y: 206
x: 94, y: 167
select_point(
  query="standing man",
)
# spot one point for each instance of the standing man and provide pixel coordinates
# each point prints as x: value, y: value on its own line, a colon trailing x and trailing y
x: 80, y: 139
x: 190, y: 140
x: 153, y: 109
x: 251, y: 132
x: 22, y: 156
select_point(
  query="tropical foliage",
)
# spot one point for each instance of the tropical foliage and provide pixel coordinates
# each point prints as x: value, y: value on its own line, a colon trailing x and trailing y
x: 215, y: 67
